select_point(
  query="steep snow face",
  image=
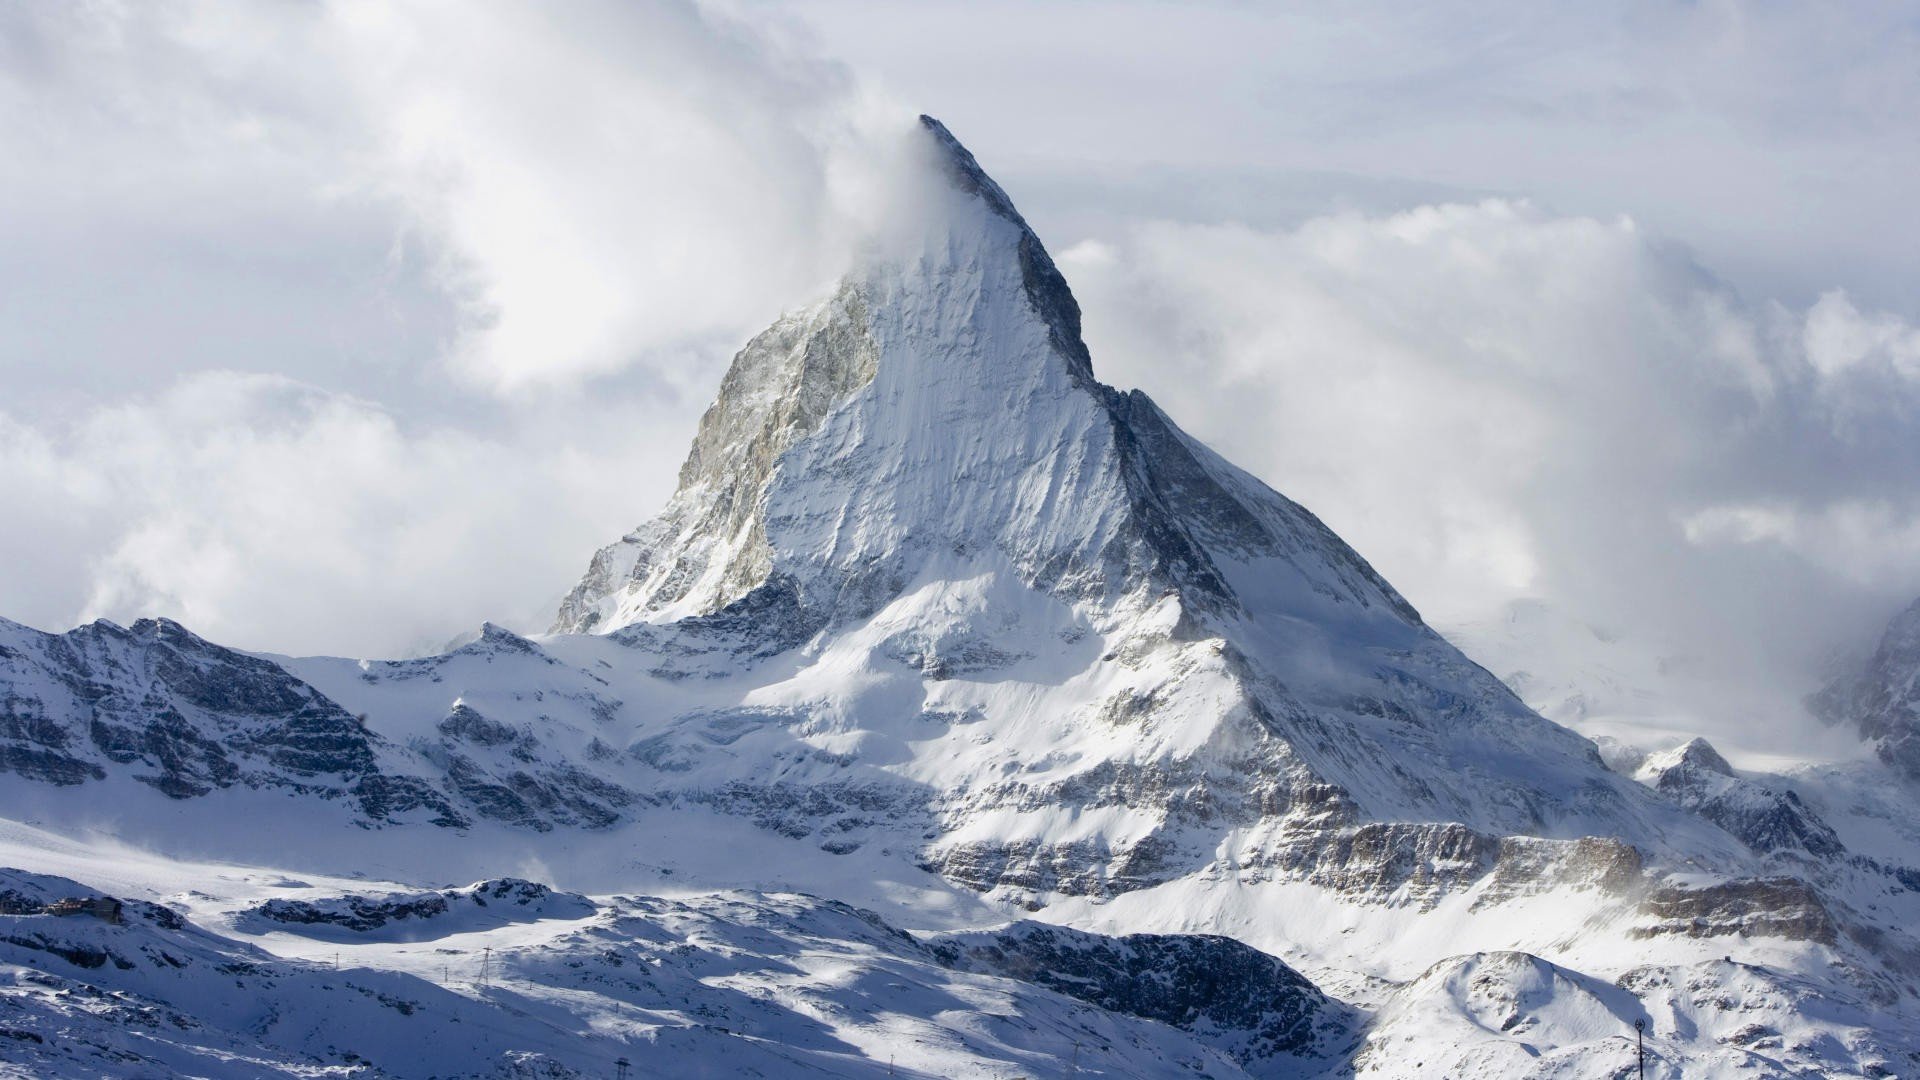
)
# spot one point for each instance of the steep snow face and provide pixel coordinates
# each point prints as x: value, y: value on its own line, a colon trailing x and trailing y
x: 922, y: 470
x: 1766, y: 819
x: 940, y: 410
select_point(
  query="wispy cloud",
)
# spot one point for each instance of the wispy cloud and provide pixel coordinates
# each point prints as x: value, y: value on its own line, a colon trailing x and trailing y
x: 1493, y: 402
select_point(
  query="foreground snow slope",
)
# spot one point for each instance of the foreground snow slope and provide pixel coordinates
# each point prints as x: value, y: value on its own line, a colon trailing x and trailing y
x: 938, y: 625
x: 716, y: 985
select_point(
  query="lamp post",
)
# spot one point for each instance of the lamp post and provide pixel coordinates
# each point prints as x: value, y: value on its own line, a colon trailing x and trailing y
x: 1640, y: 1046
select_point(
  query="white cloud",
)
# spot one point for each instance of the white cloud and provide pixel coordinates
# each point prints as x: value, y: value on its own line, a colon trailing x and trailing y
x: 543, y: 195
x: 1777, y: 138
x: 1492, y: 401
x: 1838, y: 337
x: 1869, y: 542
x: 610, y: 178
x: 268, y: 513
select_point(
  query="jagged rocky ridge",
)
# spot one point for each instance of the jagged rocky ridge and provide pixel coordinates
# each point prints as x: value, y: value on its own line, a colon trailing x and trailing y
x: 933, y: 607
x: 1882, y: 699
x: 423, y: 914
x: 1766, y: 819
x: 1260, y: 1011
x: 160, y: 706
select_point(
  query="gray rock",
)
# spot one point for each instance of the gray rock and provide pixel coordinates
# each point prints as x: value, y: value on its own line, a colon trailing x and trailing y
x: 1881, y: 700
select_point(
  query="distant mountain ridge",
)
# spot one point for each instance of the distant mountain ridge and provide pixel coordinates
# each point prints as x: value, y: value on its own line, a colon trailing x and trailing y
x: 1882, y: 699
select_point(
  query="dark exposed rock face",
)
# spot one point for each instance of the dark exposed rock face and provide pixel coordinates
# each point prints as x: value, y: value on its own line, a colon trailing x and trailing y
x: 1378, y: 862
x: 1035, y: 867
x: 1245, y: 1002
x: 466, y: 723
x: 1882, y: 699
x: 1772, y: 907
x: 508, y: 899
x: 186, y: 717
x: 538, y: 799
x: 351, y: 912
x: 386, y: 797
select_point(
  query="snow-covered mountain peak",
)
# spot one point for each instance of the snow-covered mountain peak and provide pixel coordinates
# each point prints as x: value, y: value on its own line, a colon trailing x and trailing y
x: 980, y: 337
x: 918, y: 479
x: 937, y: 624
x: 1695, y: 754
x: 938, y: 410
x: 1046, y: 289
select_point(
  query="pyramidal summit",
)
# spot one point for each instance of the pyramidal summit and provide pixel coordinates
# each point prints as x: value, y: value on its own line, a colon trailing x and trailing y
x: 959, y: 715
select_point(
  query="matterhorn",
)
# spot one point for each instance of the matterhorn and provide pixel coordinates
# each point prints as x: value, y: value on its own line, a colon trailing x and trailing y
x: 959, y: 715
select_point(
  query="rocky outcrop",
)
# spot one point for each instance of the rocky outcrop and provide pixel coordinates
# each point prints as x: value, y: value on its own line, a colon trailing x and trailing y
x: 187, y: 717
x: 1881, y: 699
x: 709, y: 548
x: 156, y: 704
x: 1258, y: 1010
x: 1772, y: 907
x: 442, y: 912
x: 465, y: 724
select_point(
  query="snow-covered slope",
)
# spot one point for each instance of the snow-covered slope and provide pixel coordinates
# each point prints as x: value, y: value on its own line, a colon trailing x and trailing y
x: 938, y: 625
x: 710, y: 986
x: 1512, y: 1014
x: 920, y: 485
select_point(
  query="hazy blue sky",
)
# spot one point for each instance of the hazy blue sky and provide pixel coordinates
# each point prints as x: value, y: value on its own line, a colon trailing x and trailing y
x: 343, y: 326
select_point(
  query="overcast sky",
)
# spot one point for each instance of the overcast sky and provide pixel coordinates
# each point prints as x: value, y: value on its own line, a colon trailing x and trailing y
x: 344, y: 326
